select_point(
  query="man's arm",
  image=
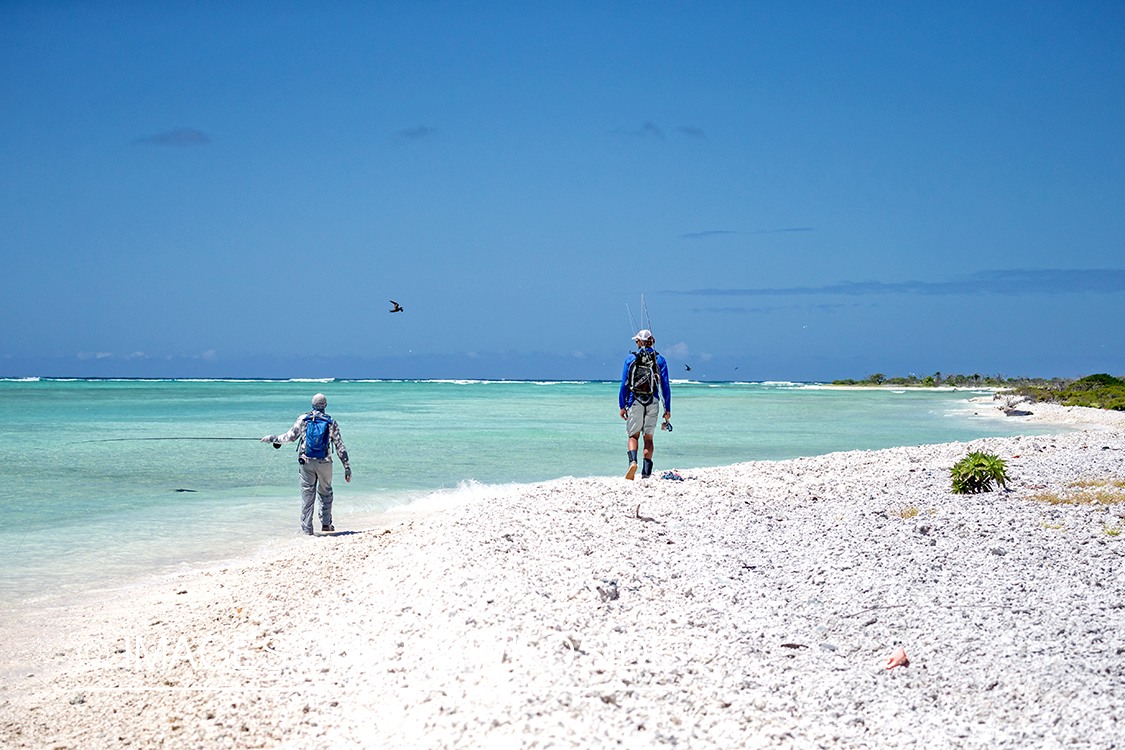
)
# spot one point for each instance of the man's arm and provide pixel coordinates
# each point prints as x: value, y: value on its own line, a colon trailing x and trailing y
x: 289, y: 437
x: 665, y: 386
x: 341, y: 451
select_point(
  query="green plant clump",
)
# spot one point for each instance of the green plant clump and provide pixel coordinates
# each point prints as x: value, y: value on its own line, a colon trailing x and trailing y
x: 976, y: 472
x: 1101, y: 391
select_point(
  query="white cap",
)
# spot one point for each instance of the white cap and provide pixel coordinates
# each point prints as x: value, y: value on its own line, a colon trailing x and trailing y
x: 643, y: 335
x: 319, y: 401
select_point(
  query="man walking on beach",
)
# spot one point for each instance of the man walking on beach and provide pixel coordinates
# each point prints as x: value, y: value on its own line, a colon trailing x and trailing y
x: 314, y: 432
x: 644, y: 383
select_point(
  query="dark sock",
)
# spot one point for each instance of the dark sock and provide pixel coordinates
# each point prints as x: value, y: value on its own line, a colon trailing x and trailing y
x: 647, y: 470
x: 632, y: 457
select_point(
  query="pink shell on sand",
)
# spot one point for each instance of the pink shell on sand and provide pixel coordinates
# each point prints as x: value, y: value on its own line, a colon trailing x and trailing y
x: 898, y: 658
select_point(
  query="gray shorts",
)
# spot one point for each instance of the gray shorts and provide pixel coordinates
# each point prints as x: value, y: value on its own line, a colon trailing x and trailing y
x: 642, y: 418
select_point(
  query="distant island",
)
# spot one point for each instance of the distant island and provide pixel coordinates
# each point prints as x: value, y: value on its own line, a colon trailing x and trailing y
x: 1101, y: 390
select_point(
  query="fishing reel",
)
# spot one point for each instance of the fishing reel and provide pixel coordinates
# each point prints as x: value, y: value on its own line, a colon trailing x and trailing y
x: 277, y: 445
x: 666, y: 426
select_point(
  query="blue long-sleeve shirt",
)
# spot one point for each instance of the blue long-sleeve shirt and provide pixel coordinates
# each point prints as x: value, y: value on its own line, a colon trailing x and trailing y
x: 625, y: 398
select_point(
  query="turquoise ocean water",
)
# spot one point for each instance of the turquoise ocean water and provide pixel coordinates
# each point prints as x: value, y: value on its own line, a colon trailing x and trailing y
x: 84, y: 509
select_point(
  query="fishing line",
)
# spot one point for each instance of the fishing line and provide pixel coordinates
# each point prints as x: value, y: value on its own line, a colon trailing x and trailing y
x: 119, y: 440
x: 269, y: 462
x: 647, y: 318
x: 29, y: 528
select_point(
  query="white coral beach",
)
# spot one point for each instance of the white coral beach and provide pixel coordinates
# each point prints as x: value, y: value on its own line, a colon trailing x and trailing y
x: 751, y: 605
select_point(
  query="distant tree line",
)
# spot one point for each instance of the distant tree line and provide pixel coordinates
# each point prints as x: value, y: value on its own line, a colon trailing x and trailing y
x: 952, y: 380
x: 1101, y: 391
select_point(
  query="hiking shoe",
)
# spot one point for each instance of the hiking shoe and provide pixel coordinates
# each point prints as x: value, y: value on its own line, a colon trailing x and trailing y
x: 632, y: 470
x: 326, y: 529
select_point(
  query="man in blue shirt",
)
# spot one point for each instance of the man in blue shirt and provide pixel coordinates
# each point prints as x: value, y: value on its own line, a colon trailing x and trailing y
x: 644, y: 383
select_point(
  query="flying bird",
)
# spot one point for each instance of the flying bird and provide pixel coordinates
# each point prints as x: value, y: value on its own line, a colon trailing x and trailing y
x: 687, y: 367
x: 397, y: 307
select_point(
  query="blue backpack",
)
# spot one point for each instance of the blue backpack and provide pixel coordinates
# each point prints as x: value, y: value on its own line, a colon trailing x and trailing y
x: 316, y: 435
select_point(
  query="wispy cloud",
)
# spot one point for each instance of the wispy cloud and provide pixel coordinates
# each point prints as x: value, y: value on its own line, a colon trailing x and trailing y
x: 416, y: 133
x: 707, y: 233
x: 649, y: 129
x: 775, y: 308
x: 1009, y: 282
x: 692, y: 132
x: 714, y: 232
x: 181, y: 137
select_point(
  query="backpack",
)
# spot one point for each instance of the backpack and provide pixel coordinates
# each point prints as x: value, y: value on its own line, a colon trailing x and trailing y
x: 316, y: 435
x: 643, y: 376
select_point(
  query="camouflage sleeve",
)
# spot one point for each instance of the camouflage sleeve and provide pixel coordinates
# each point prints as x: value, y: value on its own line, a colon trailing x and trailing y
x: 292, y: 435
x: 341, y: 451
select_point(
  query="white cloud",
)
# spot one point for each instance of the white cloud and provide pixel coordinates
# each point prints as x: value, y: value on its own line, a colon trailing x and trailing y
x: 705, y: 356
x: 577, y: 354
x: 679, y: 351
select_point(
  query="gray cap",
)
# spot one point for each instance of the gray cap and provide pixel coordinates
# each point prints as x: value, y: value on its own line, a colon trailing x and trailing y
x: 319, y: 401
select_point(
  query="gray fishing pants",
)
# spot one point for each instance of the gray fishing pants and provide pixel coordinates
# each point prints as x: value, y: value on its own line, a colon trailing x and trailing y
x: 316, y: 479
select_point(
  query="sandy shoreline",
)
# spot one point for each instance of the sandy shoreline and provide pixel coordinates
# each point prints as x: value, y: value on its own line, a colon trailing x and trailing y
x: 755, y: 605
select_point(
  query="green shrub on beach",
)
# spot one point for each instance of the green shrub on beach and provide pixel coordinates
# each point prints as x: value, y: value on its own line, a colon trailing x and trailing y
x: 1100, y: 391
x: 976, y: 472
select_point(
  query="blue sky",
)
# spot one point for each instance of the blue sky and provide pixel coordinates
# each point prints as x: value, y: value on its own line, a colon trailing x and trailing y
x: 800, y: 190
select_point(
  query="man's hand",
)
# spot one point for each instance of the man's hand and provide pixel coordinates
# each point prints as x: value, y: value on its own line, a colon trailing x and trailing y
x: 667, y: 415
x: 624, y: 414
x: 347, y: 473
x: 268, y: 439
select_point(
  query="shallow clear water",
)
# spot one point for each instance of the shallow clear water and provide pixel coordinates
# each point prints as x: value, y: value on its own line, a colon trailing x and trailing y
x: 84, y: 509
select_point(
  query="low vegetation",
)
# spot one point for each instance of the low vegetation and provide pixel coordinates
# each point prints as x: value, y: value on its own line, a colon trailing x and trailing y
x: 1092, y: 492
x: 976, y: 380
x: 1100, y: 391
x: 976, y: 472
